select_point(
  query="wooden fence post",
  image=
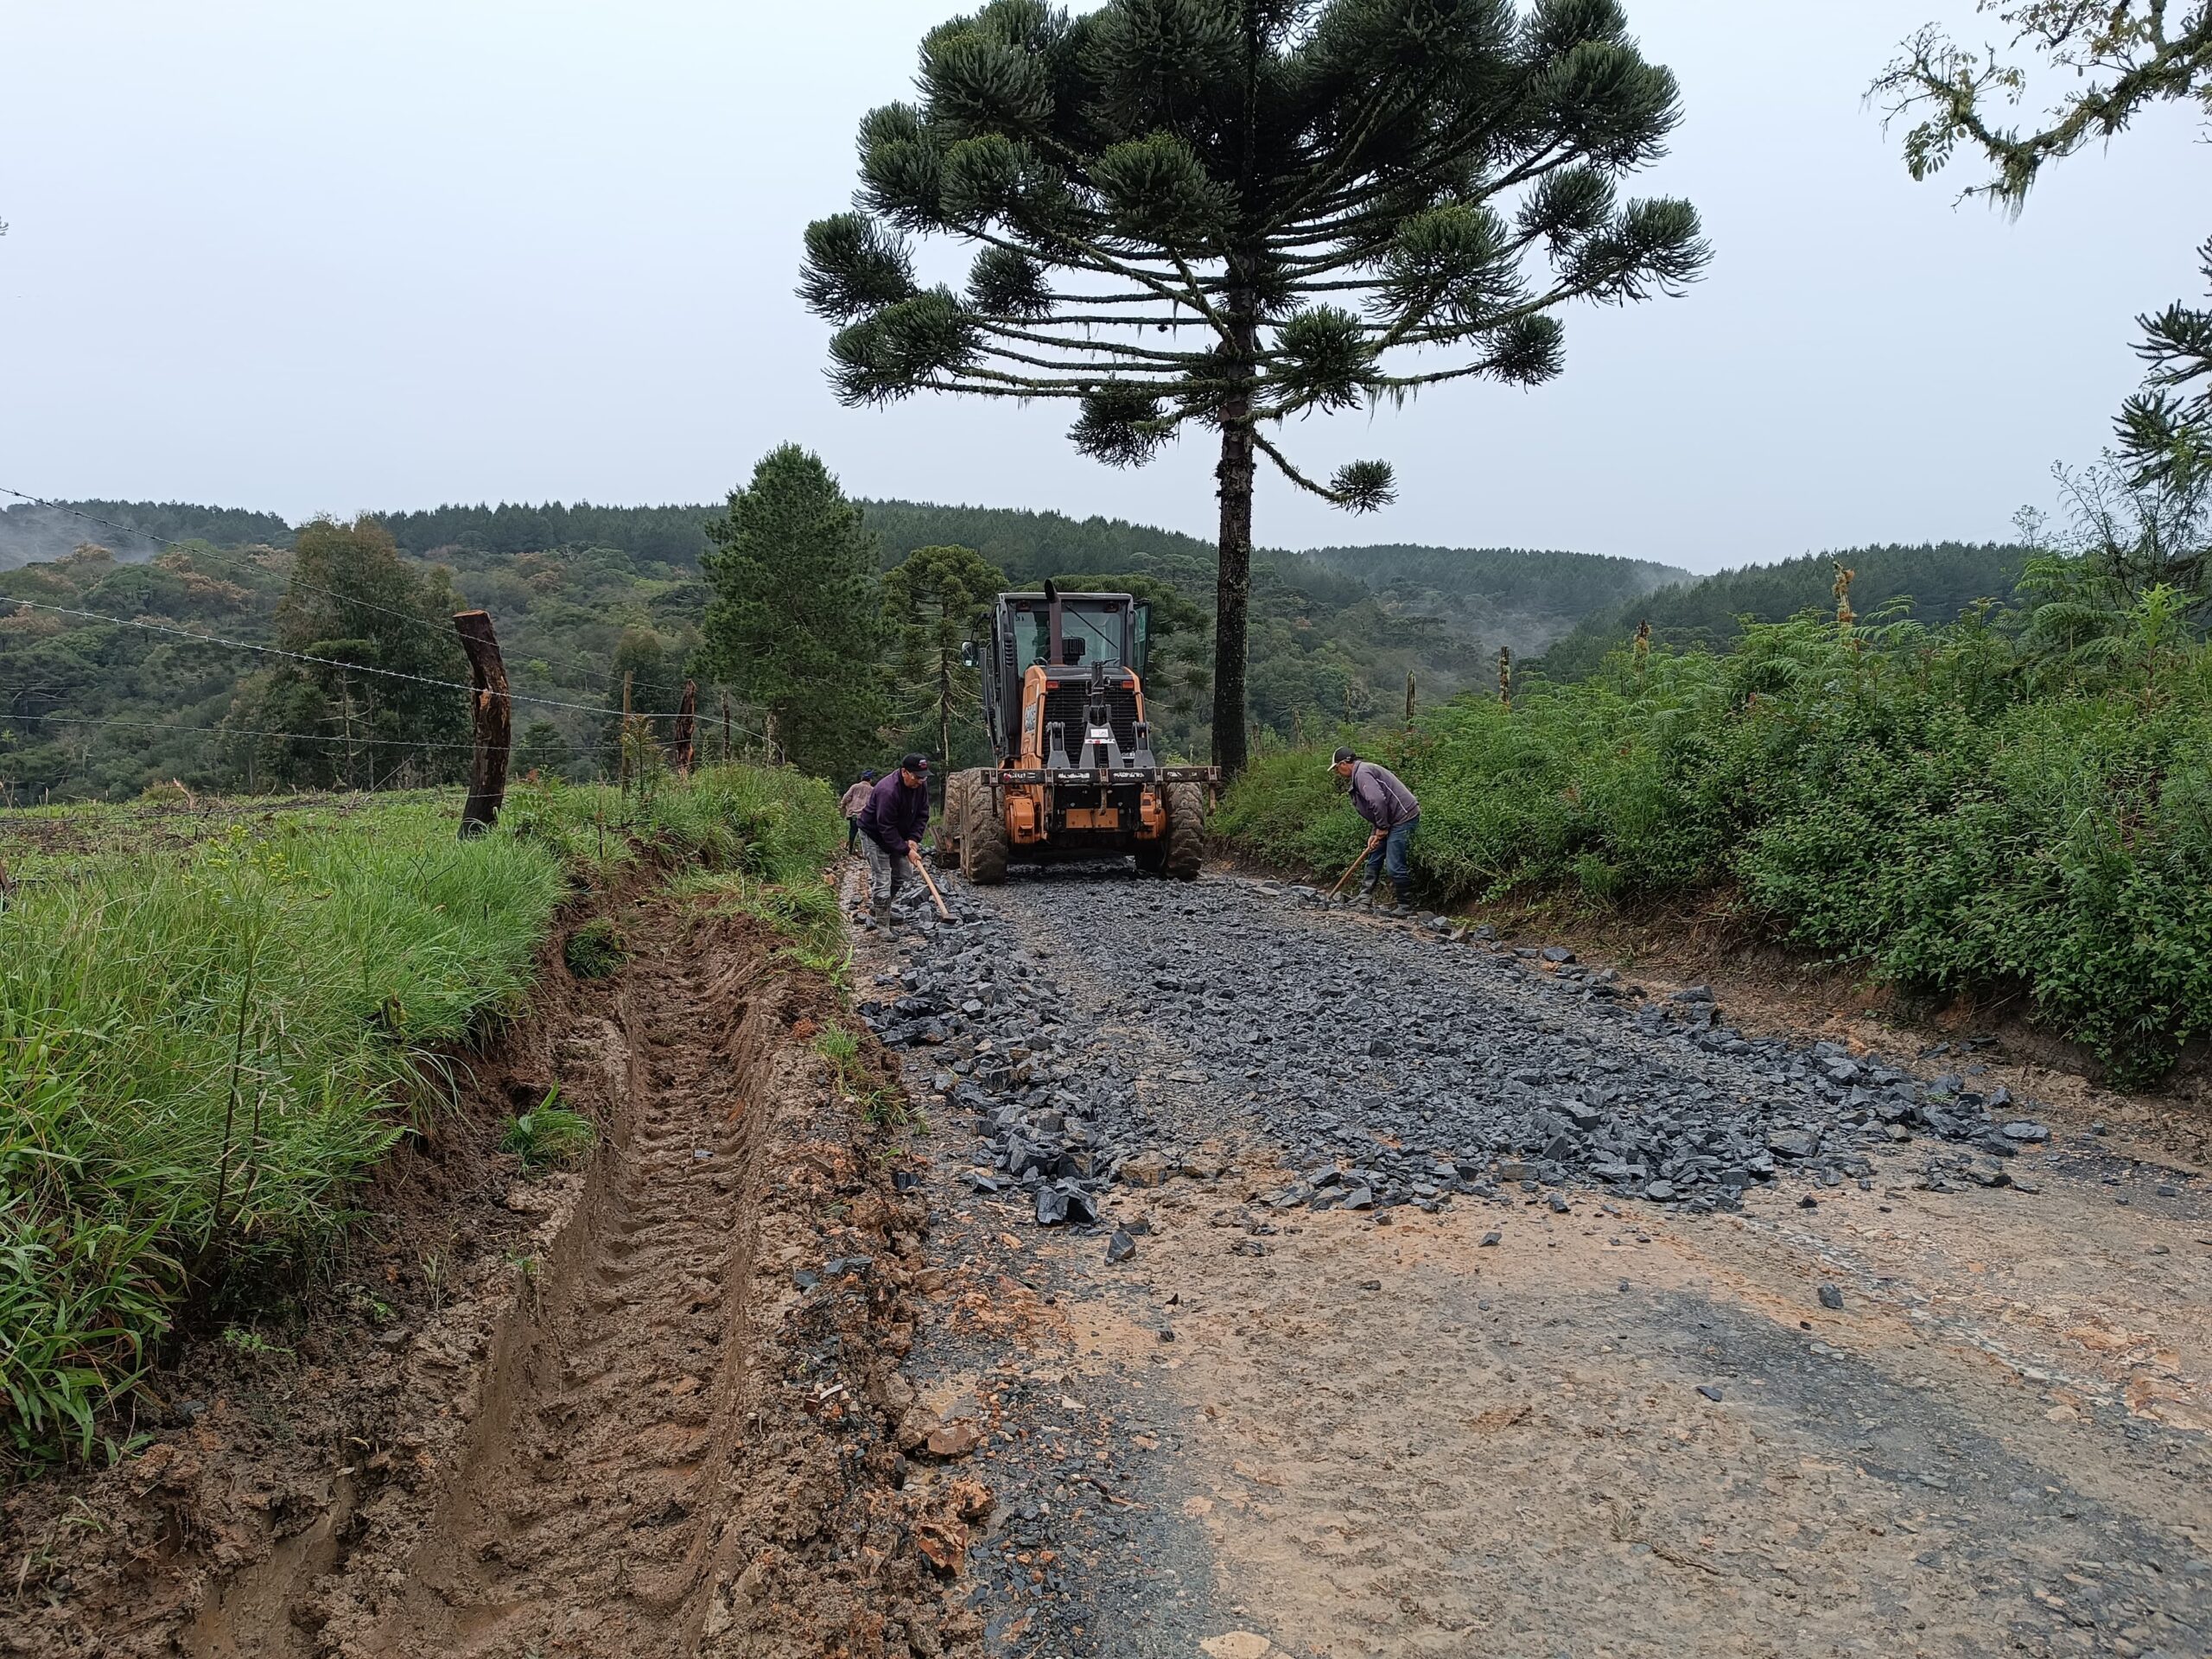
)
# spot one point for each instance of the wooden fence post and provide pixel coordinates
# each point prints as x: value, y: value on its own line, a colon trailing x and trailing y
x: 726, y: 750
x: 622, y: 742
x: 1505, y: 675
x: 1409, y: 696
x: 494, y: 716
x: 687, y: 717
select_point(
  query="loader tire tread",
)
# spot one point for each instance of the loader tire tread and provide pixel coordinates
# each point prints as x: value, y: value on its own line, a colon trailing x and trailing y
x: 1186, y: 830
x: 952, y: 830
x: 983, y: 844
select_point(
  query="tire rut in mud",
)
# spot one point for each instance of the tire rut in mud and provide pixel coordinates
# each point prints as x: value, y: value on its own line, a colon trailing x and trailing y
x: 587, y: 1510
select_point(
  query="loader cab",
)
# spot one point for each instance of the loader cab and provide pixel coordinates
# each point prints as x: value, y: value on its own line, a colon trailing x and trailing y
x: 1107, y: 628
x: 1112, y: 630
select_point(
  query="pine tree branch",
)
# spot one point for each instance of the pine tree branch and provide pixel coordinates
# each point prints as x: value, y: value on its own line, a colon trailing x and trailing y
x: 1381, y: 111
x: 1164, y: 374
x: 1098, y: 261
x: 1333, y: 234
x: 1114, y: 348
x: 1260, y: 442
x: 1088, y: 321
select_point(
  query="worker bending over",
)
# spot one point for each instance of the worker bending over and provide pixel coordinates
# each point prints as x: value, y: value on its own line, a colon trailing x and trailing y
x: 891, y: 823
x: 1390, y: 806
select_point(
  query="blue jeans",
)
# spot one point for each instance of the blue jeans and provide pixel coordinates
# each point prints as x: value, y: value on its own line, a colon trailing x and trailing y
x: 1391, y: 855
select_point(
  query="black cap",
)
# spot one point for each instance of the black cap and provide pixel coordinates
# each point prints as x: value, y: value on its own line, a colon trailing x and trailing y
x: 1343, y: 755
x: 914, y: 763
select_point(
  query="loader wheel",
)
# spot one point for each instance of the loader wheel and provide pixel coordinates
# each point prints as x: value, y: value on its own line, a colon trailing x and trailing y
x: 983, y: 846
x: 1186, y: 830
x: 951, y: 828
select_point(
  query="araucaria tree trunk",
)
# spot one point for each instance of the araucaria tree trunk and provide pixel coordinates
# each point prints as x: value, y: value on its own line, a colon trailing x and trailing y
x: 1235, y: 476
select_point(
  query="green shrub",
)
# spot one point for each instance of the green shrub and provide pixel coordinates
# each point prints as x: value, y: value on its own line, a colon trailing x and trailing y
x: 594, y: 950
x: 770, y: 822
x: 1949, y: 806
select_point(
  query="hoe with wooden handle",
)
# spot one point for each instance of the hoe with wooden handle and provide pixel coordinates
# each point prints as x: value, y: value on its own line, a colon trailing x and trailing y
x: 914, y: 854
x: 1349, y: 868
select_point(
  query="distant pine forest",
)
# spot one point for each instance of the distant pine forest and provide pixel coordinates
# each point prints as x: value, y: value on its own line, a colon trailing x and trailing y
x: 585, y: 596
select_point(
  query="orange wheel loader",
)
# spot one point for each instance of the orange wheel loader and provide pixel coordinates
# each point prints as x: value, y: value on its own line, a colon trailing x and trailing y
x: 1074, y: 775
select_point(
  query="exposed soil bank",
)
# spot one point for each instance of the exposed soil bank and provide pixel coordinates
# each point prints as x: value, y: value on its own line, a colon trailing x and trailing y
x: 589, y: 1415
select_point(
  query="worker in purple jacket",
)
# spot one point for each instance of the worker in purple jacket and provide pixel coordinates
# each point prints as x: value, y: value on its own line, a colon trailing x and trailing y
x: 1387, y: 804
x: 891, y: 823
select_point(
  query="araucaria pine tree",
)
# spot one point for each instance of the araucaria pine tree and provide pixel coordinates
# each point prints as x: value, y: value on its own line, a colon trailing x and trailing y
x: 1236, y: 212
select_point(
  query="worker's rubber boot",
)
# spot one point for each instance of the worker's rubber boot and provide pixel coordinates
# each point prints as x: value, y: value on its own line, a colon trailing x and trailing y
x: 1366, y: 893
x: 1401, y: 894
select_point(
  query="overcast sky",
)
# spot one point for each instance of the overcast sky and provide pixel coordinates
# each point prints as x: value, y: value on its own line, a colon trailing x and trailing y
x: 330, y: 256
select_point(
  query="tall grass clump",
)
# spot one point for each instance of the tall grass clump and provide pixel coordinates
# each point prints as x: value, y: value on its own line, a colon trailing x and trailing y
x: 198, y: 1058
x: 2020, y: 800
x: 772, y: 823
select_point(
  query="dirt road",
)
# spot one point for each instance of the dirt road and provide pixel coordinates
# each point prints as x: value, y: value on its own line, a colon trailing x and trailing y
x: 1262, y: 1281
x: 1489, y: 1404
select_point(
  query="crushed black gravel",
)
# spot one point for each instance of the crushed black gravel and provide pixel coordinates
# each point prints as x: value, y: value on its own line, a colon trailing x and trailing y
x: 1391, y: 1063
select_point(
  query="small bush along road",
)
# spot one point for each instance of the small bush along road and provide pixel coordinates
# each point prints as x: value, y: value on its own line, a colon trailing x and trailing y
x: 1446, y: 1298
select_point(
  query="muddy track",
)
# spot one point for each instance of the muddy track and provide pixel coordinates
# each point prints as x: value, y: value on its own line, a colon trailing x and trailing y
x: 628, y: 1413
x: 597, y: 1481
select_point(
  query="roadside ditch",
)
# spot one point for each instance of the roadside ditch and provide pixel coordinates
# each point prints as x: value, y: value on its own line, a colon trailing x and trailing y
x: 645, y: 1407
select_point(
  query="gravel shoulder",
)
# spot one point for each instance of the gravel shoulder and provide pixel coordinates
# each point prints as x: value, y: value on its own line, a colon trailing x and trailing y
x: 1520, y: 1407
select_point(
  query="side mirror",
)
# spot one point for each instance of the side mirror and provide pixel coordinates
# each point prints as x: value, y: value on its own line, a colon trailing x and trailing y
x: 968, y: 654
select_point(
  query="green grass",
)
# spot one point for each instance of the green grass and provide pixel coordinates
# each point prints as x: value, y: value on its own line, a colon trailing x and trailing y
x: 1954, y: 808
x: 881, y: 1103
x: 594, y: 950
x: 550, y: 1137
x: 211, y: 1031
x: 769, y: 823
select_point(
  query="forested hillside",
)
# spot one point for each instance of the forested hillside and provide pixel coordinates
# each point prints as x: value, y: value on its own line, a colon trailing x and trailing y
x: 31, y: 532
x: 583, y: 594
x: 1942, y: 581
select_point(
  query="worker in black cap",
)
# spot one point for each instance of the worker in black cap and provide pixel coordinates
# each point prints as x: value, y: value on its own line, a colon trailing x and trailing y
x: 892, y: 824
x: 1390, y: 806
